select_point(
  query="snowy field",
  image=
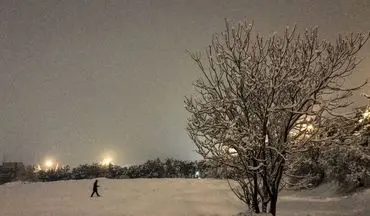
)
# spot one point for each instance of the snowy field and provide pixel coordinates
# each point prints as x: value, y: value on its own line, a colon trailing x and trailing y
x: 162, y: 197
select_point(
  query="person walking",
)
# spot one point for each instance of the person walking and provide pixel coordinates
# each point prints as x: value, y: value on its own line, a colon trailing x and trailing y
x: 95, y: 189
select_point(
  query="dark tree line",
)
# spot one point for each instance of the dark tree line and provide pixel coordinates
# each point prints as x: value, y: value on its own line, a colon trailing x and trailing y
x: 168, y: 168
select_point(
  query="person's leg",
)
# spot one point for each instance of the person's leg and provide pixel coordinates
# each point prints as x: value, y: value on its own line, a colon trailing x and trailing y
x: 97, y: 194
x: 92, y: 194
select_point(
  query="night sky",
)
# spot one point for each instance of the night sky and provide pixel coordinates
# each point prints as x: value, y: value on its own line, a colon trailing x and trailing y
x: 83, y: 79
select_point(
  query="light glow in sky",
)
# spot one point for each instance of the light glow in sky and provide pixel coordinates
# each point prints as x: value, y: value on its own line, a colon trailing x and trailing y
x: 106, y: 161
x: 49, y: 163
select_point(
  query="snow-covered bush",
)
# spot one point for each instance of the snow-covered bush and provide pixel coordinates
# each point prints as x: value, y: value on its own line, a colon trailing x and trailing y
x: 89, y: 171
x: 63, y: 173
x: 348, y: 161
x: 307, y: 171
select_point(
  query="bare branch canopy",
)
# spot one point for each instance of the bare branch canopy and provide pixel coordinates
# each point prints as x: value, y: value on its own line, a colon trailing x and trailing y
x: 260, y: 101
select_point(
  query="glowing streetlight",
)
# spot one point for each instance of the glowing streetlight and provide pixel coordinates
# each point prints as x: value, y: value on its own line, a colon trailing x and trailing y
x: 106, y: 161
x: 49, y: 164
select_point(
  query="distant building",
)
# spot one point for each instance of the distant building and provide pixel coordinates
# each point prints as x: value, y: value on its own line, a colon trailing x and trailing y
x: 11, y: 171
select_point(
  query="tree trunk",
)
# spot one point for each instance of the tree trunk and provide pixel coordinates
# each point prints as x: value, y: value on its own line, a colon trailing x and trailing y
x: 256, y: 209
x: 273, y: 203
x: 264, y: 206
x: 255, y: 195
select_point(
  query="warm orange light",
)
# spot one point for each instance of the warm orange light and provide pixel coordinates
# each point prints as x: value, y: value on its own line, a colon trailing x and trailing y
x: 49, y: 164
x: 307, y: 127
x: 106, y: 161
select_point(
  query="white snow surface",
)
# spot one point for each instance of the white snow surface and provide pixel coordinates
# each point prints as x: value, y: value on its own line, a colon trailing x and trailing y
x: 163, y: 197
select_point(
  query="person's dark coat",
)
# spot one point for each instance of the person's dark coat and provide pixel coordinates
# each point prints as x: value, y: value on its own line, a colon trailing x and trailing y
x: 95, y: 189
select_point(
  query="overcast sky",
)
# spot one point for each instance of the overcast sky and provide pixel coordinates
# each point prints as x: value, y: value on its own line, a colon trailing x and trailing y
x: 80, y: 79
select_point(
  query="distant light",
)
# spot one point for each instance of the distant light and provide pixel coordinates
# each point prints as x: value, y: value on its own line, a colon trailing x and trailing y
x: 310, y: 127
x: 48, y: 163
x: 366, y: 114
x: 107, y: 161
x: 307, y: 127
x: 197, y: 174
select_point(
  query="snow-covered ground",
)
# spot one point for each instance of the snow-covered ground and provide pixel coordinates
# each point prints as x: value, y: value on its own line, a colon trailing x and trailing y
x: 162, y: 197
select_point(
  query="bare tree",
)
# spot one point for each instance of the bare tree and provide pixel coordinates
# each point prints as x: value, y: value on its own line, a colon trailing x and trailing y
x: 261, y: 102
